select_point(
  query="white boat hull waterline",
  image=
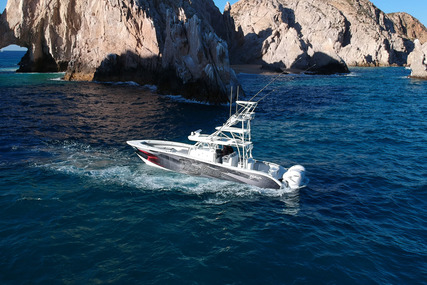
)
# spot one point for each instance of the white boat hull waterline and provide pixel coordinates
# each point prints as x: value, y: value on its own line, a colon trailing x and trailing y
x: 225, y: 154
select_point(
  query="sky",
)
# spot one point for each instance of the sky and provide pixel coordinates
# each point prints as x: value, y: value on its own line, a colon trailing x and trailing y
x: 417, y: 8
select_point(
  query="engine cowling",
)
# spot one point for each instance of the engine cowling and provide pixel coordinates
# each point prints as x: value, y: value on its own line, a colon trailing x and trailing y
x: 294, y: 178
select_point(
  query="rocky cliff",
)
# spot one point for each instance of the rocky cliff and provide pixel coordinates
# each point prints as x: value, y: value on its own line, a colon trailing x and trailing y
x: 183, y: 46
x: 168, y: 43
x: 408, y: 26
x: 306, y: 33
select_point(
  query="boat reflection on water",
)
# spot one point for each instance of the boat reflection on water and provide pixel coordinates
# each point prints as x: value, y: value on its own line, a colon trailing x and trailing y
x: 292, y: 203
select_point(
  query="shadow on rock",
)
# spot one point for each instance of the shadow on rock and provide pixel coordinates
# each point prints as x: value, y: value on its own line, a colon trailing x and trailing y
x: 130, y: 67
x: 322, y: 63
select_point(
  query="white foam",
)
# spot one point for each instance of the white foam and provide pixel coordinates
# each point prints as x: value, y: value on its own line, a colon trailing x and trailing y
x: 57, y: 79
x: 8, y: 69
x: 127, y: 83
x: 152, y: 88
x: 181, y: 99
x: 42, y: 73
x: 352, y: 74
x: 117, y: 83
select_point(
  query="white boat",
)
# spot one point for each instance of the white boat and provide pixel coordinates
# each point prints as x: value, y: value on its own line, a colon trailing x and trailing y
x: 225, y: 154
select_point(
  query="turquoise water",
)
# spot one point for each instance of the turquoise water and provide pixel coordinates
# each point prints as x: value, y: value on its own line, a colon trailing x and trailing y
x: 77, y: 206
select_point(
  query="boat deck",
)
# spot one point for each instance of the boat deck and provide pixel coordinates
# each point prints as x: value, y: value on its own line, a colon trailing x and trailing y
x: 168, y: 146
x: 210, y: 155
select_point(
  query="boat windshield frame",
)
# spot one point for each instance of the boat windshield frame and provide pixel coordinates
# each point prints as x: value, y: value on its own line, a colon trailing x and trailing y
x: 235, y: 132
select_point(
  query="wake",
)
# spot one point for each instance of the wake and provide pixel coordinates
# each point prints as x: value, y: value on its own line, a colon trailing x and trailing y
x: 119, y: 167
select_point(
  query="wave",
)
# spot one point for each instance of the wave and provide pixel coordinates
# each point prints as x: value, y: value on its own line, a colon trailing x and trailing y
x: 8, y: 69
x: 58, y: 78
x: 352, y: 74
x: 42, y: 73
x: 149, y: 87
x: 117, y: 83
x: 181, y: 99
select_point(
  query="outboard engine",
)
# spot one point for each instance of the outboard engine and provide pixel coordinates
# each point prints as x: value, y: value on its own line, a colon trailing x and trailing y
x: 294, y: 177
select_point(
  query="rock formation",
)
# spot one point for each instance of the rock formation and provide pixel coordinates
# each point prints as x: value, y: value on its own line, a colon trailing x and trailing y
x: 286, y: 34
x: 183, y: 46
x: 169, y: 43
x: 303, y: 33
x: 408, y: 26
x: 417, y: 60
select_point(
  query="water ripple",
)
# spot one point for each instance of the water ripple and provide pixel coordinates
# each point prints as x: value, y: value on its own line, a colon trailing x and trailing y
x: 78, y: 206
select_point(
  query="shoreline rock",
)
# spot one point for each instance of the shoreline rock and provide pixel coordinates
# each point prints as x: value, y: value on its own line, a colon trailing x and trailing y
x: 417, y: 61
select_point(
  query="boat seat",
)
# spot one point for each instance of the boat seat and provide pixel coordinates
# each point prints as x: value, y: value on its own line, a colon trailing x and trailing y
x: 260, y: 166
x: 231, y: 159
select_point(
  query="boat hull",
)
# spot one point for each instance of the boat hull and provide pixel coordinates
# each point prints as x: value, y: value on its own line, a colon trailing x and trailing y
x: 188, y: 165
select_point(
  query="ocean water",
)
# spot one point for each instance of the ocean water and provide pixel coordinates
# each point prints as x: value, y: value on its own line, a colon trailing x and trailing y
x: 78, y: 207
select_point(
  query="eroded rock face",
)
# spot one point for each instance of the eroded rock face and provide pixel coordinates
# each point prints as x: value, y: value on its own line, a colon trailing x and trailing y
x: 199, y: 57
x: 303, y: 33
x: 408, y: 26
x: 417, y: 60
x: 168, y: 43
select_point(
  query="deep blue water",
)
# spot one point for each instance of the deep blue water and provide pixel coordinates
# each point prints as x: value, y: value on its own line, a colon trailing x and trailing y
x: 77, y: 206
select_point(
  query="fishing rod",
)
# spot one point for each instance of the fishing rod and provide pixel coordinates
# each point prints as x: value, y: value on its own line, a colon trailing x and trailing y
x: 277, y: 86
x: 249, y: 107
x: 271, y: 82
x: 274, y: 79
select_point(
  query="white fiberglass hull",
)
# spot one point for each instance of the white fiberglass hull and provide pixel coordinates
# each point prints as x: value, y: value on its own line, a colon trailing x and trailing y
x: 175, y: 156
